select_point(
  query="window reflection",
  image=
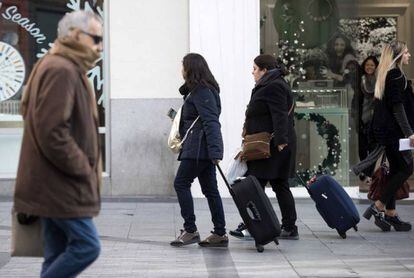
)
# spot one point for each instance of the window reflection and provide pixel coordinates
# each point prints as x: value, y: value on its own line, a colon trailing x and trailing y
x: 28, y: 29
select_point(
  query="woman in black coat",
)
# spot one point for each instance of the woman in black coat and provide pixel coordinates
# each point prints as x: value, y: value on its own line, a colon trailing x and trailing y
x: 392, y: 120
x: 201, y: 150
x: 271, y: 109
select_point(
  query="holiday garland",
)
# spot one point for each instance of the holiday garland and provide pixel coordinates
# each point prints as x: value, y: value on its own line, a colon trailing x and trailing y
x: 330, y: 133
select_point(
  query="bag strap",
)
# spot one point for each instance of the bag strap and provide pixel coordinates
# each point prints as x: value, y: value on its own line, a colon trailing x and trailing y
x: 291, y: 108
x: 188, y: 130
x: 192, y: 125
x: 290, y: 111
x: 383, y: 158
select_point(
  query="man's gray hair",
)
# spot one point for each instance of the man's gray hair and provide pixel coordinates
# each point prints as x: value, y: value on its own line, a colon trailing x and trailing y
x: 76, y: 19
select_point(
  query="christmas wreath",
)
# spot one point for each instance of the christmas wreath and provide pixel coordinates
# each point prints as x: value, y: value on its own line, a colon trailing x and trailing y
x: 330, y: 133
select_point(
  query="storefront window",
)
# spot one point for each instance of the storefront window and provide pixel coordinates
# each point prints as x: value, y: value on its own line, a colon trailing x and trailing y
x: 323, y: 48
x: 27, y: 30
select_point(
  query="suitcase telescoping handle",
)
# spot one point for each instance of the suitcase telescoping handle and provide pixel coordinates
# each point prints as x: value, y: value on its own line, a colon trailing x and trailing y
x: 307, y: 186
x: 224, y: 178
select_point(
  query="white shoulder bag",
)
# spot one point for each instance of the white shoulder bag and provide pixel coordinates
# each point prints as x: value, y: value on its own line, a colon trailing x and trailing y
x: 174, y: 140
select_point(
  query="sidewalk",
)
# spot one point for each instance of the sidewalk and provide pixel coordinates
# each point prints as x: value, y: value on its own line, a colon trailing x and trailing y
x: 135, y: 237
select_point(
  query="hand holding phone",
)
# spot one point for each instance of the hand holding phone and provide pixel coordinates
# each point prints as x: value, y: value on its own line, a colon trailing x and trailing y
x: 171, y: 113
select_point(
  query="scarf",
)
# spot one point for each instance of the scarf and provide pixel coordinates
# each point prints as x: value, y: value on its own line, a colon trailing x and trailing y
x: 82, y: 56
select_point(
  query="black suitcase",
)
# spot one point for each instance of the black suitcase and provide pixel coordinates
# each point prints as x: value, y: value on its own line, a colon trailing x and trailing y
x: 255, y: 209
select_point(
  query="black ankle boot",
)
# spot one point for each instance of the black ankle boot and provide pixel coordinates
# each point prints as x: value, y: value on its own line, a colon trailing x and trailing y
x: 398, y: 224
x: 371, y: 211
x: 379, y: 216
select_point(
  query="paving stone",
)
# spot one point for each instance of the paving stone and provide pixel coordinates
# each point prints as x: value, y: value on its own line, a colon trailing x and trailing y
x: 135, y: 238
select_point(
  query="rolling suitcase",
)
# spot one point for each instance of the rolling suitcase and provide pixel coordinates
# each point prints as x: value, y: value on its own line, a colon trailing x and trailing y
x: 334, y: 204
x: 255, y: 209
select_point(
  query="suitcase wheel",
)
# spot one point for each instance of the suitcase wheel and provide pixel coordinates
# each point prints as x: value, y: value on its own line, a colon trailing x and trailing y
x: 259, y: 248
x: 276, y: 241
x: 356, y: 228
x: 342, y: 234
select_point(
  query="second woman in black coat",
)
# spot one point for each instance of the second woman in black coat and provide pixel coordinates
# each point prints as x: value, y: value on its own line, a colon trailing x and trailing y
x: 271, y: 109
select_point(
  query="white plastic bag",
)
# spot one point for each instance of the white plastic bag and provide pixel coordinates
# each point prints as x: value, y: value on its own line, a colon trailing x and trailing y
x: 236, y: 169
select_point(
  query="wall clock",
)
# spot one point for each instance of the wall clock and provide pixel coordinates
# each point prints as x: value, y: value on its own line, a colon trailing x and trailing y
x: 12, y: 71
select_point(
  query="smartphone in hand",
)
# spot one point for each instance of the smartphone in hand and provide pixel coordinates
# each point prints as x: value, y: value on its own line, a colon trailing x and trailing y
x: 171, y: 113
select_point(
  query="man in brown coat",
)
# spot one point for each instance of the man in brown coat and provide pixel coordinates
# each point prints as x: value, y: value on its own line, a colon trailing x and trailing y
x: 59, y: 172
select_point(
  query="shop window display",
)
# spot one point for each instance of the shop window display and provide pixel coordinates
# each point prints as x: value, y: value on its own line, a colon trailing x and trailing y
x: 323, y: 49
x: 27, y: 31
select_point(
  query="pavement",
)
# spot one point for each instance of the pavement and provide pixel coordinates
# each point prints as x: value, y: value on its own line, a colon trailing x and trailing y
x: 135, y: 235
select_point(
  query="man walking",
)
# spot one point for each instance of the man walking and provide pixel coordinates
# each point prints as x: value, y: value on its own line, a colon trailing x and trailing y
x: 59, y: 171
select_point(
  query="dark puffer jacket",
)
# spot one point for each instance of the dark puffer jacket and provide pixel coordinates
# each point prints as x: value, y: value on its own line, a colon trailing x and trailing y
x: 204, y: 141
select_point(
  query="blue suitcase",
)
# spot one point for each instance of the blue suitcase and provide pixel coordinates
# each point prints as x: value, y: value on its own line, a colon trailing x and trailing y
x: 334, y: 204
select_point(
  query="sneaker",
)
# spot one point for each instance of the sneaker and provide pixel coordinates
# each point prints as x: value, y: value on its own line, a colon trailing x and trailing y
x: 241, y: 232
x: 214, y: 240
x: 186, y: 238
x: 398, y: 224
x: 289, y: 233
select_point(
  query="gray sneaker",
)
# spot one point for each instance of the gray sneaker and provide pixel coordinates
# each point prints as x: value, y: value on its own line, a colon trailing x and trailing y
x: 185, y: 238
x: 214, y: 240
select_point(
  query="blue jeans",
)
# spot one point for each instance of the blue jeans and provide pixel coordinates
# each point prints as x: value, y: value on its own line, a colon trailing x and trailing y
x: 70, y: 245
x: 206, y: 173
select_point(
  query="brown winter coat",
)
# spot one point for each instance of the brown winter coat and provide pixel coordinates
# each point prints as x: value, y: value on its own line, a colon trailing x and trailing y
x: 58, y: 174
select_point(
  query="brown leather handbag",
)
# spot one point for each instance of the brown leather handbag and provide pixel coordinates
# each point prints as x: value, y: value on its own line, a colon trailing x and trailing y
x: 379, y: 181
x: 257, y: 145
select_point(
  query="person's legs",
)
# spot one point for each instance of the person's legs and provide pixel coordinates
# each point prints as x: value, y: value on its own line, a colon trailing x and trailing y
x: 390, y: 205
x: 208, y: 183
x: 401, y: 167
x: 400, y: 171
x: 54, y: 243
x: 82, y: 249
x: 187, y: 172
x: 286, y: 202
x: 287, y: 208
x: 263, y: 182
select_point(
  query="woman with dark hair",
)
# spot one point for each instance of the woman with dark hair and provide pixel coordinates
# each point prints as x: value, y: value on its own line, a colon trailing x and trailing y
x: 392, y: 120
x: 271, y: 110
x: 340, y: 52
x: 365, y: 111
x: 201, y: 151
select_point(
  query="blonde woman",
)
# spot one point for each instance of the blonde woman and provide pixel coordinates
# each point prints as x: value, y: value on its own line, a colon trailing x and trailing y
x: 393, y: 119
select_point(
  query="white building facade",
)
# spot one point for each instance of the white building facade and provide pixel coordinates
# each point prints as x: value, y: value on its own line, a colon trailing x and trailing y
x: 145, y: 42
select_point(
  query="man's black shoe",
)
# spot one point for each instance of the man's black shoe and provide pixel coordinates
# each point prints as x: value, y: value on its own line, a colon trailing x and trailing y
x: 291, y: 233
x: 398, y: 224
x: 241, y: 232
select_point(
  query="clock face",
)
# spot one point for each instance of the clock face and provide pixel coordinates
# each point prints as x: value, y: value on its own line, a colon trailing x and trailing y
x: 12, y: 71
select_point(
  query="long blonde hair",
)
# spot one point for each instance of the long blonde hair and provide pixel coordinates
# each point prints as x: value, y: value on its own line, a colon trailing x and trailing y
x: 390, y: 56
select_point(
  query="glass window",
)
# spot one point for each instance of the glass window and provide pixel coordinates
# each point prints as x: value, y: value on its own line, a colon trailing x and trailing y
x: 27, y: 30
x: 323, y: 50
